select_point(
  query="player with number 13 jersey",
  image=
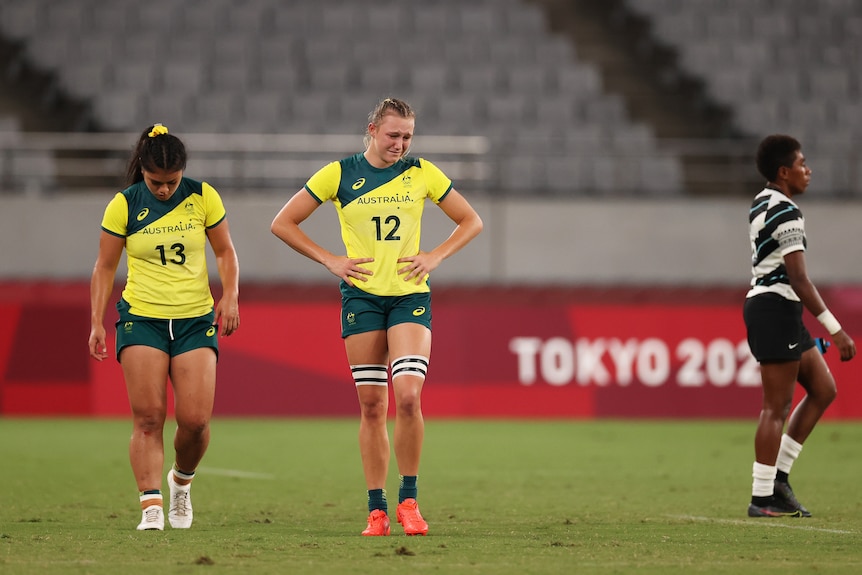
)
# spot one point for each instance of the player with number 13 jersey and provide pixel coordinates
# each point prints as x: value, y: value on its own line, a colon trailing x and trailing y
x: 166, y: 246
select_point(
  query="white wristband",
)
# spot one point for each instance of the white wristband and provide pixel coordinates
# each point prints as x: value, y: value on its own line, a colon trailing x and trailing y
x: 828, y: 321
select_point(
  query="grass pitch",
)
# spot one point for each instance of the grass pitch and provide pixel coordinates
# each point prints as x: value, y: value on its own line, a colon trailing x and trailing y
x: 287, y: 496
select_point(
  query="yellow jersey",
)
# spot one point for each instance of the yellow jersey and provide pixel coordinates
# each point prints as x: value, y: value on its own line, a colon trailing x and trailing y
x: 380, y: 211
x: 166, y: 247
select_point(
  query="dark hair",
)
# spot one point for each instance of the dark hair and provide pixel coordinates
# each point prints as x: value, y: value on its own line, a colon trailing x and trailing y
x: 388, y: 106
x: 156, y: 149
x: 774, y: 152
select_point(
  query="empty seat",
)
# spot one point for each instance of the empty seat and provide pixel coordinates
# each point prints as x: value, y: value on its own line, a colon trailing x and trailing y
x: 50, y: 52
x: 527, y: 79
x: 581, y: 79
x: 785, y: 83
x: 380, y: 79
x: 20, y: 20
x: 167, y: 108
x: 512, y: 108
x: 832, y: 84
x: 183, y: 77
x: 432, y: 77
x: 136, y: 75
x: 556, y: 110
x: 215, y: 108
x: 84, y: 79
x: 120, y: 110
x: 479, y: 79
x: 283, y: 76
x: 730, y: 85
x: 232, y: 77
x: 311, y: 113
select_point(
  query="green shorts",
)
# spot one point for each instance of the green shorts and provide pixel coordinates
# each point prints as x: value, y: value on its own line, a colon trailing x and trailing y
x: 172, y: 336
x: 362, y: 311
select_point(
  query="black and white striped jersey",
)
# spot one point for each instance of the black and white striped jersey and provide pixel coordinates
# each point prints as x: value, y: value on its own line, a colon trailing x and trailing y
x: 776, y: 228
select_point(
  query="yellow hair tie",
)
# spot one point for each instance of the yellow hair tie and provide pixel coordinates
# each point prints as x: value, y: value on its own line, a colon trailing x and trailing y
x: 158, y: 130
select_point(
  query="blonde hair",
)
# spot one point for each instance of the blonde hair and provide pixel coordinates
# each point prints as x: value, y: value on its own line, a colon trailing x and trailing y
x: 387, y: 106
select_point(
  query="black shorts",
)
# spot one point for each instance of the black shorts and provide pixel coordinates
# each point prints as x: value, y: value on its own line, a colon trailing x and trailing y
x: 775, y: 329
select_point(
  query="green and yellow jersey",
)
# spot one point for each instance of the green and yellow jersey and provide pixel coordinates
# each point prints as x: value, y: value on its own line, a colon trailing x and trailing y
x: 166, y: 247
x: 380, y: 210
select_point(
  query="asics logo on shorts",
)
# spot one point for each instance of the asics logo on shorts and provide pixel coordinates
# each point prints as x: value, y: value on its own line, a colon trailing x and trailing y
x: 418, y: 311
x: 211, y: 331
x: 143, y: 213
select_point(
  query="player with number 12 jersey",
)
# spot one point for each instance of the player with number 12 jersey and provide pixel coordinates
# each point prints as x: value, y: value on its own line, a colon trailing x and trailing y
x: 380, y: 211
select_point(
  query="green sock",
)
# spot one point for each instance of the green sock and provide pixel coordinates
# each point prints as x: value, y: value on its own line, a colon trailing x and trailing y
x: 407, y: 488
x: 377, y: 500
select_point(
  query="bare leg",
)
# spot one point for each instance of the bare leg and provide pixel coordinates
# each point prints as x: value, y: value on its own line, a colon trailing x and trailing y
x: 409, y: 435
x: 819, y: 385
x: 370, y: 348
x: 193, y: 375
x: 779, y: 380
x: 145, y: 370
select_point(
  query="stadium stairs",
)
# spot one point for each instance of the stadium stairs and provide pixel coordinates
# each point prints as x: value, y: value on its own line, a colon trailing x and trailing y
x: 658, y: 92
x: 32, y: 96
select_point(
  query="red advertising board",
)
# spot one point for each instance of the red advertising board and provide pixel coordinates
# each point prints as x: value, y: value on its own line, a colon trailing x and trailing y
x: 526, y: 352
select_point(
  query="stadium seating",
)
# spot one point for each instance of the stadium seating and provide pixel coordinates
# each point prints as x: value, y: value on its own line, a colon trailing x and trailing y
x: 781, y: 66
x: 485, y: 67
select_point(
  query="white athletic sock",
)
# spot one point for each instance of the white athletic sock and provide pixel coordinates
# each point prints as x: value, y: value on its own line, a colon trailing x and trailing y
x: 788, y: 453
x: 764, y: 479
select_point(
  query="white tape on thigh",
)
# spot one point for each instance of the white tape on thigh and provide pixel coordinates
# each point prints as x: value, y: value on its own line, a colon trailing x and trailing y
x: 410, y: 365
x: 370, y: 374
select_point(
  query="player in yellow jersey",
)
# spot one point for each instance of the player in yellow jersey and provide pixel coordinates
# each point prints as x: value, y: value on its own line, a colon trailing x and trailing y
x: 379, y: 196
x: 167, y: 327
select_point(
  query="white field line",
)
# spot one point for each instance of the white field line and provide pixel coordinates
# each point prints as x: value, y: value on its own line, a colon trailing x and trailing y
x: 236, y: 473
x: 762, y: 522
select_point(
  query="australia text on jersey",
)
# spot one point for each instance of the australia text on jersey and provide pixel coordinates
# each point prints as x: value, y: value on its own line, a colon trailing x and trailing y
x: 180, y: 227
x: 396, y: 199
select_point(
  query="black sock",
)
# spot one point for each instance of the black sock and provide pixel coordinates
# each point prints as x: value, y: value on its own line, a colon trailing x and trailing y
x: 761, y: 500
x: 377, y: 500
x: 781, y: 476
x: 407, y: 488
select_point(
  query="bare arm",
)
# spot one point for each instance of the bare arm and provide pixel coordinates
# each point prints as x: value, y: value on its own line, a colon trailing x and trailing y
x: 285, y: 226
x: 227, y: 309
x: 810, y: 297
x: 101, y: 286
x: 468, y: 224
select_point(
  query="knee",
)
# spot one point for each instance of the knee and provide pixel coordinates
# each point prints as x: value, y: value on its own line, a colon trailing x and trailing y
x: 409, y: 403
x: 777, y: 410
x: 149, y: 422
x: 194, y: 426
x: 373, y: 409
x: 827, y: 395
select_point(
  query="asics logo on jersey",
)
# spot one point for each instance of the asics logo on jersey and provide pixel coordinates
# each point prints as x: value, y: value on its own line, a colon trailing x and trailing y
x: 211, y: 331
x: 143, y: 213
x: 358, y: 183
x: 418, y: 311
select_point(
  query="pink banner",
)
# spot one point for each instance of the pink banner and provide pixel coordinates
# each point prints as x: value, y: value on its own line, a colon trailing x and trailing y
x: 563, y: 353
